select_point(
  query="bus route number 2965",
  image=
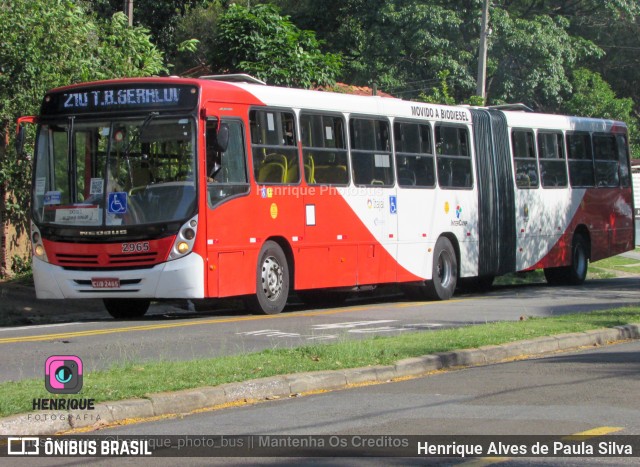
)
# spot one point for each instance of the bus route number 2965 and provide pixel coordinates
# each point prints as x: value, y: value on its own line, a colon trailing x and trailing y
x: 135, y: 247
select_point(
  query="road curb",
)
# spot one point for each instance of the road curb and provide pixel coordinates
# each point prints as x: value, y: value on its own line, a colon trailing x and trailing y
x: 274, y: 387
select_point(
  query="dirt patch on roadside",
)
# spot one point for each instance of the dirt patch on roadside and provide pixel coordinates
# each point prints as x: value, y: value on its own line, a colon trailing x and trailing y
x: 19, y: 306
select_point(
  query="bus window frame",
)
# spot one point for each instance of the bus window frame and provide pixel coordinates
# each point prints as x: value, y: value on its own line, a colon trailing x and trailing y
x: 516, y: 159
x: 470, y: 157
x: 593, y: 169
x: 547, y: 159
x: 295, y: 147
x: 390, y: 151
x: 431, y: 155
x: 615, y: 158
x: 209, y: 186
x: 345, y: 131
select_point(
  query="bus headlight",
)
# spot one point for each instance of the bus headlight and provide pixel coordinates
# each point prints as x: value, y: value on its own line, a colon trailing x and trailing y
x: 36, y: 242
x: 39, y: 250
x: 185, y: 239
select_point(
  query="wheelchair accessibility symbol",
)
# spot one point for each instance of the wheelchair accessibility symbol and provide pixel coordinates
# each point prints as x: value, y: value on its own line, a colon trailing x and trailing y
x: 117, y: 203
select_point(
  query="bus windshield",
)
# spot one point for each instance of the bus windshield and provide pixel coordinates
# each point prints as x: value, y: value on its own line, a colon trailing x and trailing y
x: 120, y: 172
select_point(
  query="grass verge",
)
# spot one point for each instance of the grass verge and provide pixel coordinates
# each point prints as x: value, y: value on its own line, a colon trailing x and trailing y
x: 139, y: 379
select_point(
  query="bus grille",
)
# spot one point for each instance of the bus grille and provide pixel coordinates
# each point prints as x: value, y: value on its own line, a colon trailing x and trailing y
x: 106, y: 260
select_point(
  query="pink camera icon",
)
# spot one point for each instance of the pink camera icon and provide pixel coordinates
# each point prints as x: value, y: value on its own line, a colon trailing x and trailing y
x: 63, y: 374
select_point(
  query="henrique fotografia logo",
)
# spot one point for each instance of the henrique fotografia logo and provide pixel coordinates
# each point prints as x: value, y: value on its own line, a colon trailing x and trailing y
x: 63, y: 374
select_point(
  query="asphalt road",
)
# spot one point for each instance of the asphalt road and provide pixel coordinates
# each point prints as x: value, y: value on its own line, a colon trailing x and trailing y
x: 170, y: 332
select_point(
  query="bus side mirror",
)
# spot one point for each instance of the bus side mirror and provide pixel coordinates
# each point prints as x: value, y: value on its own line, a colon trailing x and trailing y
x: 21, y: 133
x: 222, y: 138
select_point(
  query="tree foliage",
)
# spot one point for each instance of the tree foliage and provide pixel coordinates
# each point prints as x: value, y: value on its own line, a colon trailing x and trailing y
x: 594, y: 97
x: 50, y: 43
x: 258, y: 41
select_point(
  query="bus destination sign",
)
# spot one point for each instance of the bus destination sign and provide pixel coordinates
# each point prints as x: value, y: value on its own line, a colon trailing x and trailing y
x: 114, y: 98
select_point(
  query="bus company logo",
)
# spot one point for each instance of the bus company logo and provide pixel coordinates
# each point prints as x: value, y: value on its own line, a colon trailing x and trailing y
x: 457, y: 222
x: 63, y: 374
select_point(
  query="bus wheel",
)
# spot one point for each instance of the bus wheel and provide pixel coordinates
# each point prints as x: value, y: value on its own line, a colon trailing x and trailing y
x: 576, y: 272
x: 272, y: 280
x: 444, y: 271
x: 126, y: 308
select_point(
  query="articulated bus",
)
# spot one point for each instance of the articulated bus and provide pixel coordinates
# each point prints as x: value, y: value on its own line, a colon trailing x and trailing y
x: 177, y: 188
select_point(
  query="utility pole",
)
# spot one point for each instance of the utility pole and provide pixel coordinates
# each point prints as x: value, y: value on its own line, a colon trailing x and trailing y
x: 482, y: 52
x: 128, y: 10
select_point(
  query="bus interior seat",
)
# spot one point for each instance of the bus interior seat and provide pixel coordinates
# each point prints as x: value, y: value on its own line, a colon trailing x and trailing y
x: 331, y: 174
x: 273, y: 169
x: 309, y: 169
x: 406, y: 177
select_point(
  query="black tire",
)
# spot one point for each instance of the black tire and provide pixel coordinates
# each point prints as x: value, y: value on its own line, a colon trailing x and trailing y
x: 272, y: 281
x: 576, y: 272
x: 126, y: 308
x: 444, y: 276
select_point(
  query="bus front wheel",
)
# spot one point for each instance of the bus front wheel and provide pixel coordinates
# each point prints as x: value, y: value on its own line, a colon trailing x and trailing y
x: 126, y: 308
x: 272, y: 281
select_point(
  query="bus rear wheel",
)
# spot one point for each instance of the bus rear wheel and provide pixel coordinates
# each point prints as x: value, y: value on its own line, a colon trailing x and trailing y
x: 126, y: 308
x: 444, y: 275
x: 272, y: 281
x: 576, y: 272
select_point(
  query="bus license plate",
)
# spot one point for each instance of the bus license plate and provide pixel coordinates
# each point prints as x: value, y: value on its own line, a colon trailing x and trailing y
x: 105, y: 283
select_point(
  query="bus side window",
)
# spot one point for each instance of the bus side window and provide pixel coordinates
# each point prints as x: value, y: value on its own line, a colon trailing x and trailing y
x: 453, y: 157
x: 605, y: 155
x: 580, y: 155
x: 414, y: 154
x: 274, y: 146
x: 553, y: 167
x: 623, y: 160
x: 324, y: 149
x: 524, y: 157
x: 371, y: 152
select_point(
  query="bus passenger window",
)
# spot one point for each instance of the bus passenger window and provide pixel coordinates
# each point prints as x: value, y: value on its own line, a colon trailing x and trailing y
x: 580, y: 154
x: 274, y: 147
x: 605, y: 155
x: 623, y: 160
x: 453, y: 157
x: 324, y: 149
x: 524, y: 157
x: 553, y: 167
x: 414, y: 154
x: 371, y: 152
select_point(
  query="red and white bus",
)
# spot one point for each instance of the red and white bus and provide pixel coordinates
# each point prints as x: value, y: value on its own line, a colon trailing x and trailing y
x: 159, y: 188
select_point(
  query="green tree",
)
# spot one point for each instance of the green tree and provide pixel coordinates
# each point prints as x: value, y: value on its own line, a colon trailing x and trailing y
x: 50, y: 43
x: 258, y: 41
x: 593, y: 97
x: 160, y: 17
x: 530, y: 59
